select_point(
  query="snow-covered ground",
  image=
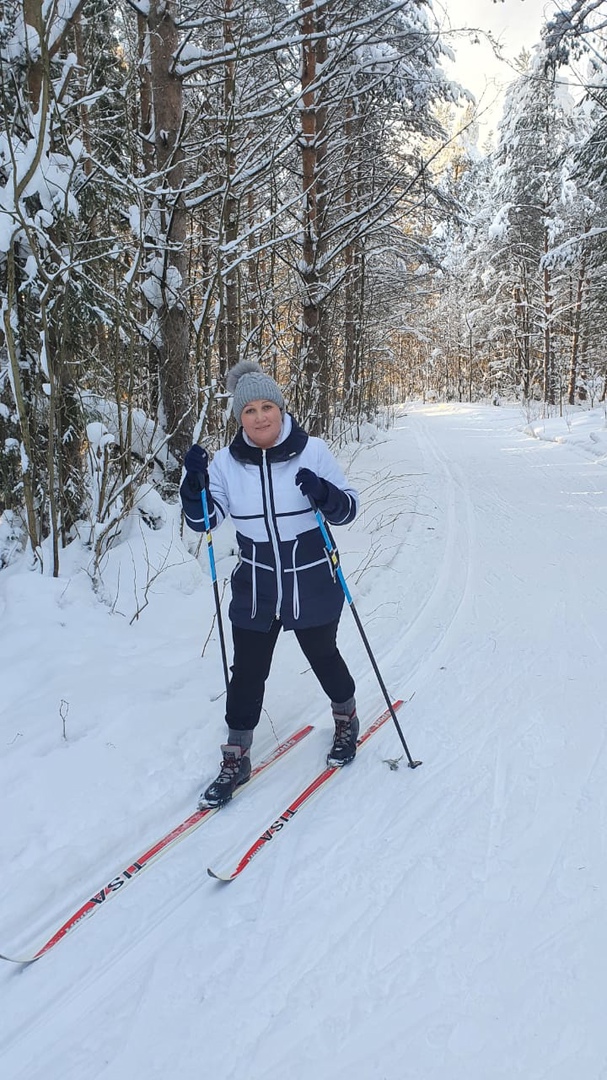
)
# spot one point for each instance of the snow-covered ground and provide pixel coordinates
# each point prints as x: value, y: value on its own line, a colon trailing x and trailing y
x: 446, y: 923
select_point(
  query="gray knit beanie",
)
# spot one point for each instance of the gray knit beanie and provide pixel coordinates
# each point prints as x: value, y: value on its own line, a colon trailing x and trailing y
x: 247, y: 382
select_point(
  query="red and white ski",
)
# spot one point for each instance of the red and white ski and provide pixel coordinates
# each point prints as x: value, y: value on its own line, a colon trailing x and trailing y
x: 291, y: 810
x: 143, y: 861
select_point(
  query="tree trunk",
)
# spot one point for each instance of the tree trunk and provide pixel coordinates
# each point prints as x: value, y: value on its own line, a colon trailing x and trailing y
x: 176, y: 374
x: 314, y: 399
x: 23, y: 412
x: 32, y: 17
x: 575, y: 334
x: 523, y: 345
x: 229, y: 337
x: 352, y: 282
x: 549, y: 387
x: 144, y: 123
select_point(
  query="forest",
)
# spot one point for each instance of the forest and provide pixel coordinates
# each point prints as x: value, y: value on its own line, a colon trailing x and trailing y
x: 188, y: 183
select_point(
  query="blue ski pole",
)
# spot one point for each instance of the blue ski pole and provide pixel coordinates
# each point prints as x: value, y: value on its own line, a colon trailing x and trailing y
x: 334, y: 557
x: 209, y: 536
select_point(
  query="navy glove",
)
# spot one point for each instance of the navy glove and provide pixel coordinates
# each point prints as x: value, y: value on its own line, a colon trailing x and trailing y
x: 196, y: 465
x: 196, y: 459
x: 312, y: 486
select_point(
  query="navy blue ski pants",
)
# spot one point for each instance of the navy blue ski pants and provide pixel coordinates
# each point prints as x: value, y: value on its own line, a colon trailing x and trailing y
x: 253, y: 651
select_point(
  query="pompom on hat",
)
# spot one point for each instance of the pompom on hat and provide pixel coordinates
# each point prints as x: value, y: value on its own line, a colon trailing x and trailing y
x: 247, y: 382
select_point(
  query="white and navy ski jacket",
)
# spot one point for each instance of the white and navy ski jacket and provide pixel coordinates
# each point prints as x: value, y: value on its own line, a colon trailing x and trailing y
x: 283, y: 570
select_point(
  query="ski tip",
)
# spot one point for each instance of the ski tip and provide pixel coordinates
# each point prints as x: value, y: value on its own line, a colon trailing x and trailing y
x: 218, y: 877
x: 23, y: 961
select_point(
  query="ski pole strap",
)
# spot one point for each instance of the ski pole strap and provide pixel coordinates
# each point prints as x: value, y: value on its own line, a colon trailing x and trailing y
x: 332, y: 552
x: 207, y: 525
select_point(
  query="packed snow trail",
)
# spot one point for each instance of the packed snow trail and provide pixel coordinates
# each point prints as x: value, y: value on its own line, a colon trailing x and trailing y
x: 445, y: 923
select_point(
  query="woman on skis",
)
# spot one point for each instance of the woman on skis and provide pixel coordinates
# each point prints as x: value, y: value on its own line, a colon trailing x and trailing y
x: 284, y: 579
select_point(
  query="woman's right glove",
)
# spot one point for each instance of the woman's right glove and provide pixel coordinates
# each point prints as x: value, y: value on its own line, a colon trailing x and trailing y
x: 196, y: 465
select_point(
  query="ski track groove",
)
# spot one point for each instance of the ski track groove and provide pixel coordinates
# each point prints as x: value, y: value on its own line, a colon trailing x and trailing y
x: 449, y: 560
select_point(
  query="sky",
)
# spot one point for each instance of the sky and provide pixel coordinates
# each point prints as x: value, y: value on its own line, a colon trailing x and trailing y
x: 441, y: 923
x: 514, y: 23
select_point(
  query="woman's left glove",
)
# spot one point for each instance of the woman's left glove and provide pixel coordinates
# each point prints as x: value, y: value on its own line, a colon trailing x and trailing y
x: 312, y: 486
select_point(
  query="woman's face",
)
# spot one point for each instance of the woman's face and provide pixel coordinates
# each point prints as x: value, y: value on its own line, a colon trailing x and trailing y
x: 262, y: 422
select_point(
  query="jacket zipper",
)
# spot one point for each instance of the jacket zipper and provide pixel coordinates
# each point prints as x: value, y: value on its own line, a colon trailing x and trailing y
x: 273, y: 533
